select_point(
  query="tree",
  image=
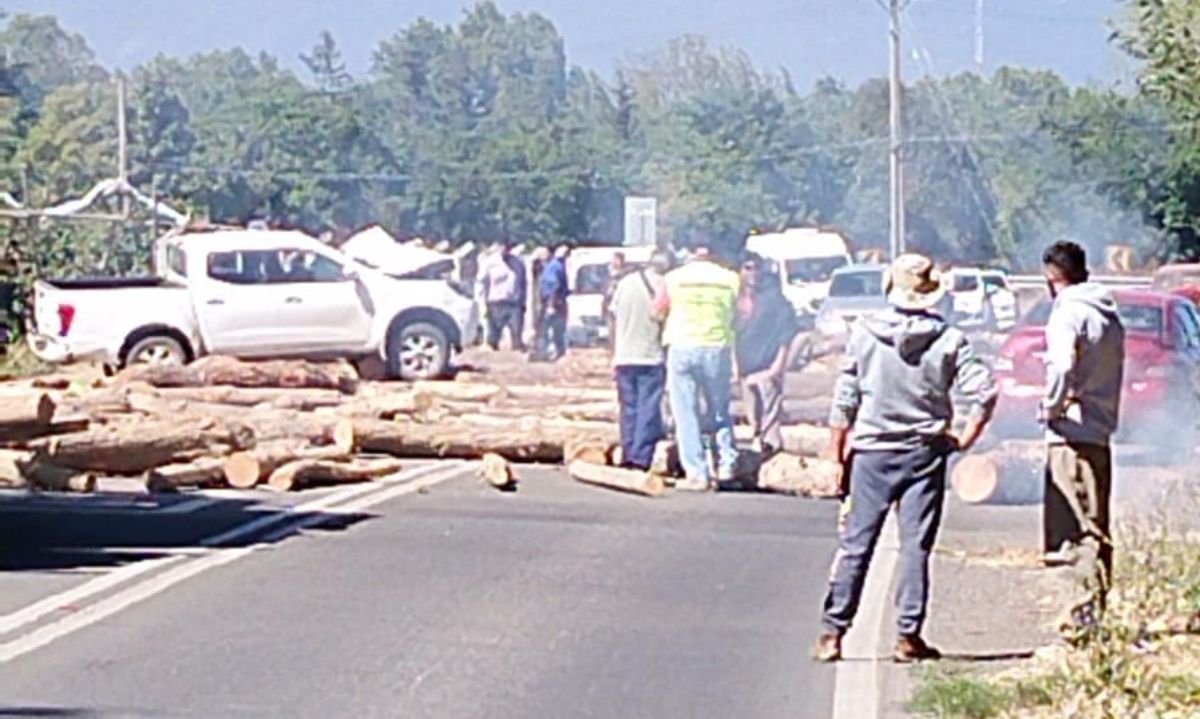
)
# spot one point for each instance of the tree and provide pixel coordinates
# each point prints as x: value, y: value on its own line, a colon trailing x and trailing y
x: 326, y: 65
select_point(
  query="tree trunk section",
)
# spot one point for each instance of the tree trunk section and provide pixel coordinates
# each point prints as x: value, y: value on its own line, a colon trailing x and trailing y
x: 459, y: 439
x: 295, y: 475
x: 1012, y: 473
x: 203, y: 472
x: 136, y: 448
x: 624, y: 480
x: 799, y: 476
x: 218, y: 370
x: 249, y: 468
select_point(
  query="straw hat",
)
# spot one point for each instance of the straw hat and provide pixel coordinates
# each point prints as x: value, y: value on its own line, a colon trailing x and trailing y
x: 913, y: 283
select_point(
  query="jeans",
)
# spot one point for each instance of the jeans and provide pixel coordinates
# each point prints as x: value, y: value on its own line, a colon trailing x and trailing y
x: 502, y: 315
x: 640, y: 393
x: 915, y: 480
x: 552, y: 329
x: 699, y: 375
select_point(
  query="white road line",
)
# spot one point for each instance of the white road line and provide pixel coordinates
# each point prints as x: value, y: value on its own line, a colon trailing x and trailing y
x: 129, y: 596
x: 67, y: 599
x: 187, y: 506
x: 856, y: 691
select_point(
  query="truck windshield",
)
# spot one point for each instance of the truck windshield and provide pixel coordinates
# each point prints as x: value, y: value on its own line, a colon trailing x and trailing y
x: 812, y: 269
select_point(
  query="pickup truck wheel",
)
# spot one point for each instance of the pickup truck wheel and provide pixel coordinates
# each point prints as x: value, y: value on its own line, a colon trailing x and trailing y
x: 418, y: 351
x: 156, y: 349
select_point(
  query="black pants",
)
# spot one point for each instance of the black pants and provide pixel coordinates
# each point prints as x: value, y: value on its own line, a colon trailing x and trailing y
x: 640, y: 394
x: 503, y: 315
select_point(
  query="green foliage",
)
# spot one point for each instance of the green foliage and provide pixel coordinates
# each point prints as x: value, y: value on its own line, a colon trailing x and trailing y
x: 481, y: 130
x: 946, y: 695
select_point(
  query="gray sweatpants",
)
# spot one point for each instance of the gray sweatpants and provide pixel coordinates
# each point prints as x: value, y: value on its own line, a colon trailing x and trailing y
x: 916, y: 481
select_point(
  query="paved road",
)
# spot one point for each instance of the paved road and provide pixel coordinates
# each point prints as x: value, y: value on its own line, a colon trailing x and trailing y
x: 556, y: 601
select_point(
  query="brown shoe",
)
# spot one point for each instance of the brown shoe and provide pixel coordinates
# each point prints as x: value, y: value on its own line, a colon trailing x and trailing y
x: 912, y: 648
x: 829, y: 647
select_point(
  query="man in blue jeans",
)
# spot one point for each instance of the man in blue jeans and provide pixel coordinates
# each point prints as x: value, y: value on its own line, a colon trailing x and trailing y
x: 892, y: 408
x: 697, y: 303
x: 639, y: 360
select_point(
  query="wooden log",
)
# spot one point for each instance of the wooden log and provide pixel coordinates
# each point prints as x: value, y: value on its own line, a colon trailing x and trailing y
x: 25, y: 410
x: 496, y: 471
x: 526, y: 441
x: 138, y: 447
x: 248, y: 468
x: 218, y: 370
x: 202, y: 472
x: 588, y: 449
x: 1012, y: 473
x: 624, y: 480
x: 805, y: 439
x: 799, y: 476
x: 21, y: 469
x: 460, y: 391
x: 318, y: 471
x: 302, y: 399
x: 267, y: 424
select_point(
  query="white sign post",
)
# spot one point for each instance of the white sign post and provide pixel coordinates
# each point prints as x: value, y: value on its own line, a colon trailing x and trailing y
x: 641, y: 217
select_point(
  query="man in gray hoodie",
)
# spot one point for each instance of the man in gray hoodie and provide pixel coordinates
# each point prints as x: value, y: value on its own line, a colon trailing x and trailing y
x: 1085, y: 364
x: 892, y: 410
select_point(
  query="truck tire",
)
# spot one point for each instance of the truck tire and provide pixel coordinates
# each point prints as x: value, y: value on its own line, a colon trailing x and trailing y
x: 418, y: 350
x: 155, y: 349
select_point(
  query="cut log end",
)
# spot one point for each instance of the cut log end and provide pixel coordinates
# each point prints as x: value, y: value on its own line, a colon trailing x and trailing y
x: 975, y: 479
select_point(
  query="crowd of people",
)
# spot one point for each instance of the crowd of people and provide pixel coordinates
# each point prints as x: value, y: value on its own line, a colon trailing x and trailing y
x: 687, y: 332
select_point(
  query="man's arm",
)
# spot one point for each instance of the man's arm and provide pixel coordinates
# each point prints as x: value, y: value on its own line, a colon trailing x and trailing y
x: 1061, y: 340
x: 975, y: 383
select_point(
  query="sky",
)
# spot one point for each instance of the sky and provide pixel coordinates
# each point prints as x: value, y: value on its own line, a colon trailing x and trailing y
x: 846, y: 39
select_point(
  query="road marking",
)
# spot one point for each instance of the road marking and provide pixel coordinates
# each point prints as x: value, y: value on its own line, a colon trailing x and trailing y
x: 413, y: 480
x: 857, y: 687
x: 188, y: 506
x: 68, y: 599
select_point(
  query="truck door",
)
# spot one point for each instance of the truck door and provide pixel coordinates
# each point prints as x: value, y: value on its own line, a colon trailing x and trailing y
x: 279, y: 302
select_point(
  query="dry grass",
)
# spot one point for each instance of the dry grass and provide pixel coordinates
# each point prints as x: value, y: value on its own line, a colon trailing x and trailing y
x: 1137, y: 663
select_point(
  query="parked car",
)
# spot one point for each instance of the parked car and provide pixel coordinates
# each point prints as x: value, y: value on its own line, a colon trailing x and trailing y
x: 983, y: 299
x: 254, y: 293
x: 1162, y: 347
x: 853, y: 292
x: 1182, y: 279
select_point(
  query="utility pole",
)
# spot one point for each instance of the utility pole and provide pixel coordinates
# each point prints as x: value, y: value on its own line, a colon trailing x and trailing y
x: 122, y: 145
x: 896, y: 136
x: 979, y: 66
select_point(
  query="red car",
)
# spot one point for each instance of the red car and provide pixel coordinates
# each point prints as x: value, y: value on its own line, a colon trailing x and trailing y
x: 1162, y: 364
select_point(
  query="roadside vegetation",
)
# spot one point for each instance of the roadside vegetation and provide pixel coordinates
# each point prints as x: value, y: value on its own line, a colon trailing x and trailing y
x: 1141, y: 662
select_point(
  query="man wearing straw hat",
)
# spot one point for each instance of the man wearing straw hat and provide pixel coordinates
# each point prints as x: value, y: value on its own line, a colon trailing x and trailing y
x: 891, y: 429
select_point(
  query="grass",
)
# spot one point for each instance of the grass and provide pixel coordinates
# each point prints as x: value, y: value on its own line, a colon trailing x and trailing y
x: 1139, y: 662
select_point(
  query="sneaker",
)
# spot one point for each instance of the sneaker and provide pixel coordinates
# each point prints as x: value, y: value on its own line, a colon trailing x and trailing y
x: 829, y: 647
x: 1064, y: 556
x: 726, y: 474
x: 912, y: 648
x: 693, y: 484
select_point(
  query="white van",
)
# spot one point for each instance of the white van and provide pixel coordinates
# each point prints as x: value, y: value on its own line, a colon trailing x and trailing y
x: 588, y: 276
x: 805, y: 258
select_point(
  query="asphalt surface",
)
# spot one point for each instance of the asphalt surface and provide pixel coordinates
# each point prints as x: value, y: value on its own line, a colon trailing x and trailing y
x: 558, y: 600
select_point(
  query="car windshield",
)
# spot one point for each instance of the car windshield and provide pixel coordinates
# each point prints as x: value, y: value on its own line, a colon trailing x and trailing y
x: 966, y: 283
x: 812, y: 269
x: 1137, y: 319
x: 591, y: 279
x: 857, y: 284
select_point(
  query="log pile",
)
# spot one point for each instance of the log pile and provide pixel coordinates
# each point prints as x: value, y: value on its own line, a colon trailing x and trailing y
x: 284, y: 424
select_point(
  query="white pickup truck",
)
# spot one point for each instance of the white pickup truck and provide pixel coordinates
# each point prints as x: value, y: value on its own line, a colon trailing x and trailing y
x: 254, y: 293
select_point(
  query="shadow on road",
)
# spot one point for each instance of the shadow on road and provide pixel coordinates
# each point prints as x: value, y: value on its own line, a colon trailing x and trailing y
x: 44, y: 712
x: 104, y: 530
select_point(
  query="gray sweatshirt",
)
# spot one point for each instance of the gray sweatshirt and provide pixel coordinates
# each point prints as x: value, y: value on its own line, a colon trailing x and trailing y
x: 901, y: 368
x: 1085, y: 366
